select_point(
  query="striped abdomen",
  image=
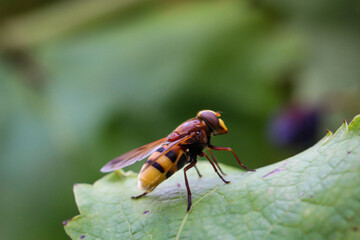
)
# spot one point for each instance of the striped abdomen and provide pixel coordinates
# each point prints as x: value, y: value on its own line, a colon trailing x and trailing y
x: 154, y: 172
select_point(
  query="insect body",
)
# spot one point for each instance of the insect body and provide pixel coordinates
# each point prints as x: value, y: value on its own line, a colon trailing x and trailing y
x: 171, y: 153
x: 156, y: 170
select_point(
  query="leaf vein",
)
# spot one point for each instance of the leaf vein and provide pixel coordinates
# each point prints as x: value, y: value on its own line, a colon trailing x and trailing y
x: 187, y: 214
x: 129, y: 227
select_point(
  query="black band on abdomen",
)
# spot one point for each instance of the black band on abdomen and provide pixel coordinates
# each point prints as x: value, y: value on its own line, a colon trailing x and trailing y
x: 158, y: 167
x: 171, y: 155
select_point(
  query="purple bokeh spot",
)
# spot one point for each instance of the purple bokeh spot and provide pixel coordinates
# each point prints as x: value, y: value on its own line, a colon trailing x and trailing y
x: 295, y: 126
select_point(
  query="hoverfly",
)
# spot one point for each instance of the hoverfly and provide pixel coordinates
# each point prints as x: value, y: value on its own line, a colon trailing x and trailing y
x: 169, y: 154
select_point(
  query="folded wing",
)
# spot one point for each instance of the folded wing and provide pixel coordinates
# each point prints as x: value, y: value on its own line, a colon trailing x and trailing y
x: 133, y: 156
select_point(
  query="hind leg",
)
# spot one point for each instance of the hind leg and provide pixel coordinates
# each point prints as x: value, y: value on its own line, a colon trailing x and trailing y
x: 187, y: 184
x: 140, y: 196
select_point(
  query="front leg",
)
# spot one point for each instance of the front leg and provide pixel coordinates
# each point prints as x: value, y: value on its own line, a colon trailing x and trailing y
x: 229, y: 149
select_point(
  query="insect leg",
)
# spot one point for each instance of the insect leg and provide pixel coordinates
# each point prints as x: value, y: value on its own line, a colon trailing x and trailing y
x: 139, y: 196
x: 197, y: 170
x: 212, y: 164
x: 187, y: 183
x: 229, y: 149
x: 216, y: 162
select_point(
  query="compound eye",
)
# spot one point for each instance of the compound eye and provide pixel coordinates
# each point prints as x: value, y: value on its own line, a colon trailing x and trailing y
x: 210, y: 118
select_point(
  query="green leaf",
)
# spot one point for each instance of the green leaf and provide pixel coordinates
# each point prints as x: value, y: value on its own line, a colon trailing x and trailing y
x: 313, y: 195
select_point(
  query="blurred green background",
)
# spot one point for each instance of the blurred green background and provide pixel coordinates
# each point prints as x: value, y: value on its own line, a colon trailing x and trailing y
x: 84, y: 81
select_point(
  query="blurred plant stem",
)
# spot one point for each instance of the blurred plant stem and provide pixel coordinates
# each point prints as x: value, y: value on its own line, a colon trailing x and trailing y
x: 57, y: 19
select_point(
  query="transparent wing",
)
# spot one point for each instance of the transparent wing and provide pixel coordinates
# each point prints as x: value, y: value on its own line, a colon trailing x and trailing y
x: 141, y: 153
x: 133, y: 156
